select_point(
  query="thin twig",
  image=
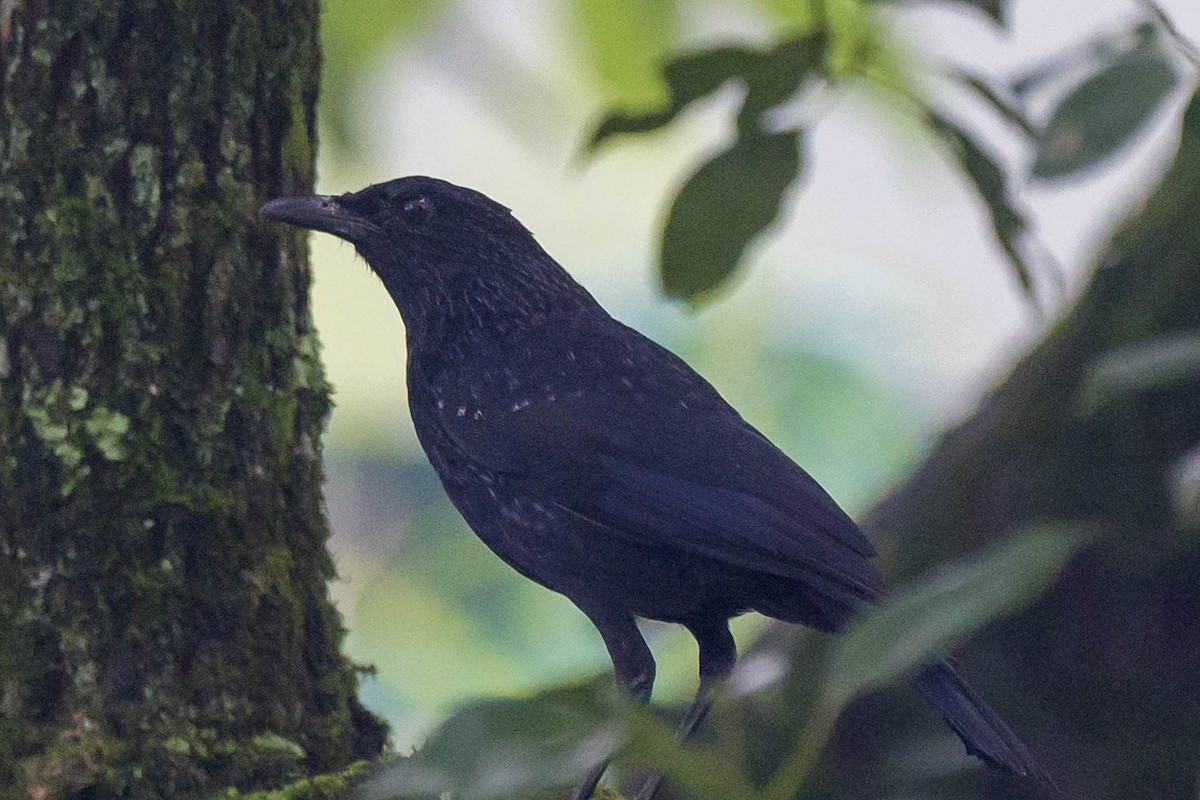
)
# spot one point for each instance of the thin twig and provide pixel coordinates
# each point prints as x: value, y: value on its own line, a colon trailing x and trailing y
x: 1186, y: 47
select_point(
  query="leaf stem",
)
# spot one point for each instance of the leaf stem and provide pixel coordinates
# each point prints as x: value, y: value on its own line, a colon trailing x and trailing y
x: 1189, y: 50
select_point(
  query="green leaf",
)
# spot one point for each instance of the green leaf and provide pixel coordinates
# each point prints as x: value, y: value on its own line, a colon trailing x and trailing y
x: 721, y: 208
x: 1104, y: 113
x: 499, y: 749
x: 688, y: 78
x: 771, y: 77
x: 987, y: 176
x: 707, y: 772
x: 920, y: 623
x: 996, y: 9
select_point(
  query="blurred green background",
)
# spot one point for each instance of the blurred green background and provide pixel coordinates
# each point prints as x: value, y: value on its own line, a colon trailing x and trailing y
x: 875, y: 315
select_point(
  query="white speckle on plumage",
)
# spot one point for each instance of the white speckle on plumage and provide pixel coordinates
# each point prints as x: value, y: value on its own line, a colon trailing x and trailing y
x: 478, y: 413
x: 441, y: 404
x: 628, y: 384
x: 520, y: 405
x: 462, y: 411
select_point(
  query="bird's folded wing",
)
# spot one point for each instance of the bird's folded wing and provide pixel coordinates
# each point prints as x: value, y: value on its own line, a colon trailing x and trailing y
x: 700, y: 480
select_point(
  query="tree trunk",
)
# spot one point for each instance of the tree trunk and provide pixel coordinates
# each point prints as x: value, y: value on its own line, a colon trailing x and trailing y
x: 165, y: 628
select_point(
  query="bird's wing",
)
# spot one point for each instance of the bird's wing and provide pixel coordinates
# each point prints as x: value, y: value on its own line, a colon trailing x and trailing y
x: 652, y: 453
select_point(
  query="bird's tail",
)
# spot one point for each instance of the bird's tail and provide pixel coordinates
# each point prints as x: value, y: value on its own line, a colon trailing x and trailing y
x: 980, y: 728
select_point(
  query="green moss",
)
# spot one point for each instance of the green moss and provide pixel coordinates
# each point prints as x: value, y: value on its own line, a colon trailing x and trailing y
x: 329, y: 786
x: 160, y: 423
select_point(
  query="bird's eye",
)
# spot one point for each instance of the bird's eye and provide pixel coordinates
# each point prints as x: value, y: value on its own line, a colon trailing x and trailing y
x: 416, y: 209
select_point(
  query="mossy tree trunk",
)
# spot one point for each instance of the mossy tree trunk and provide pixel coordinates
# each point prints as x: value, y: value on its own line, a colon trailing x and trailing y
x: 165, y: 629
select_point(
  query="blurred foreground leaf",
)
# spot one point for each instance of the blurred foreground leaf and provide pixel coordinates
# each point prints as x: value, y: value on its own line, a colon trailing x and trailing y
x: 918, y: 625
x: 1104, y: 113
x: 771, y: 76
x: 500, y: 749
x: 496, y: 749
x: 721, y: 208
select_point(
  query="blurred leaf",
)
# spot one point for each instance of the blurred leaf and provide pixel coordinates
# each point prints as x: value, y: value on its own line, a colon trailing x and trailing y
x: 1084, y: 56
x: 996, y: 9
x: 705, y: 771
x: 918, y: 624
x: 495, y: 749
x: 688, y: 78
x: 1104, y: 113
x: 771, y: 77
x: 1153, y: 364
x: 1008, y: 223
x: 626, y: 40
x: 724, y: 205
x: 775, y: 75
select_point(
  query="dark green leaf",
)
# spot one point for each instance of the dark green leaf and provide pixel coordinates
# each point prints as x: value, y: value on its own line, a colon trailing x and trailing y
x: 722, y: 208
x: 706, y: 772
x: 497, y: 749
x: 1104, y: 113
x: 771, y: 77
x: 776, y: 75
x: 688, y: 78
x: 917, y: 626
x: 919, y: 623
x: 1008, y: 222
x: 996, y: 9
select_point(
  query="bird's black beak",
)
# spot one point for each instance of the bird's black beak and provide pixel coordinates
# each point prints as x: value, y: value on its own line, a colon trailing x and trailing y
x: 320, y: 213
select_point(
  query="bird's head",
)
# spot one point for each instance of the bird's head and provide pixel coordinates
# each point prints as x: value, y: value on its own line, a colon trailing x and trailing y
x: 449, y: 256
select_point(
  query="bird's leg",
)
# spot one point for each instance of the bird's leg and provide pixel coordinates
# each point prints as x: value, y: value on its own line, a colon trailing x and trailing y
x: 718, y: 654
x: 634, y: 666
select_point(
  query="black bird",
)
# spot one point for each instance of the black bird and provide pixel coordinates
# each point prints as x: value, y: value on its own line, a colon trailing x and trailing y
x: 600, y: 465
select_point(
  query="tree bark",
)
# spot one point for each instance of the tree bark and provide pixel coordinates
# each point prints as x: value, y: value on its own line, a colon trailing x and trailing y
x: 165, y: 628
